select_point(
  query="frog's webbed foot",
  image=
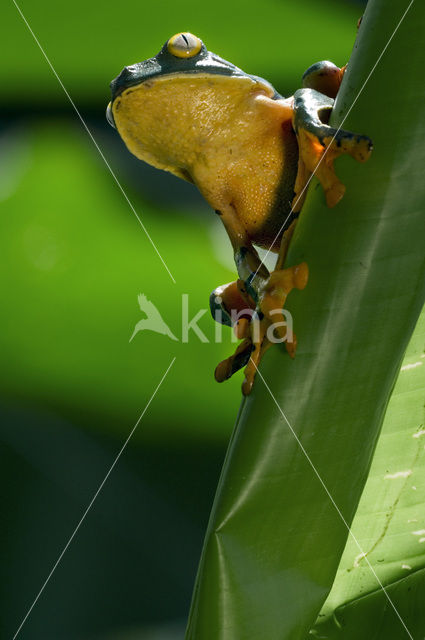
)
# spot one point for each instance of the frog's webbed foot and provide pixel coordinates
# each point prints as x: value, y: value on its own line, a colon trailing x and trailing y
x: 320, y: 144
x: 272, y: 326
x: 231, y: 305
x: 258, y: 328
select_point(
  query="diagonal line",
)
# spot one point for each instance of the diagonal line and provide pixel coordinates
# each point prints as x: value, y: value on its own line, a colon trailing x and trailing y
x: 93, y: 139
x: 92, y: 501
x: 319, y: 477
x: 336, y: 133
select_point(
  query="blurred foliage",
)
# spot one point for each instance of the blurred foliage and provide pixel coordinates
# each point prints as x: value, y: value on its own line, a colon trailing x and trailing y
x: 75, y: 258
x: 134, y: 558
x: 91, y: 42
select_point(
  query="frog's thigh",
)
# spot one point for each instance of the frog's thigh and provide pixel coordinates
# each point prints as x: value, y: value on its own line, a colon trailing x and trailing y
x: 324, y: 76
x: 320, y: 144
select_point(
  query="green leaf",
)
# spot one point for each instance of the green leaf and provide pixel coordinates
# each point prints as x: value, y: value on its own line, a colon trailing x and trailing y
x: 275, y: 537
x: 389, y: 524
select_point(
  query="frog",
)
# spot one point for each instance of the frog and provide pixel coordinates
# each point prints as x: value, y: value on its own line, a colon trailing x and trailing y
x: 251, y: 153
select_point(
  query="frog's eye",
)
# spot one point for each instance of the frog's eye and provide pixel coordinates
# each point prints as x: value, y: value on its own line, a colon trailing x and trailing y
x: 184, y: 45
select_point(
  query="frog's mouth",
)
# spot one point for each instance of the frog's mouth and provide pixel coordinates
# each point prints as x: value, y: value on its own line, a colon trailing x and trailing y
x: 205, y: 63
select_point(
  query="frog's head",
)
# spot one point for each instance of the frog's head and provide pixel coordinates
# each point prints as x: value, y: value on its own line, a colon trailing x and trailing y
x: 167, y: 106
x: 181, y: 54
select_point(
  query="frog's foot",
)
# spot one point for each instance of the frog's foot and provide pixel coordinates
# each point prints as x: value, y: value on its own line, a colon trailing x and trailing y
x: 257, y: 328
x: 248, y: 353
x: 271, y: 324
x: 226, y: 368
x: 254, y: 359
x: 272, y: 301
x: 259, y: 347
x: 320, y: 144
x: 231, y: 305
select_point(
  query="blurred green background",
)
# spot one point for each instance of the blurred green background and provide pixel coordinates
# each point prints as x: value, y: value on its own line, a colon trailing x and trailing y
x: 73, y: 260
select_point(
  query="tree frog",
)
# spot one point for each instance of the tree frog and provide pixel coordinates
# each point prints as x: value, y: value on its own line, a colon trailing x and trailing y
x: 251, y: 153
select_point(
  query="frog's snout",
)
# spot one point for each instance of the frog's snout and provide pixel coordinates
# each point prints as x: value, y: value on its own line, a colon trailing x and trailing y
x: 126, y: 74
x: 126, y: 78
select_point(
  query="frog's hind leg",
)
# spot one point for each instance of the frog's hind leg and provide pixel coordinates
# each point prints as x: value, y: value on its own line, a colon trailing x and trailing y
x: 231, y: 305
x: 226, y: 368
x: 256, y: 323
x: 253, y: 305
x: 320, y: 144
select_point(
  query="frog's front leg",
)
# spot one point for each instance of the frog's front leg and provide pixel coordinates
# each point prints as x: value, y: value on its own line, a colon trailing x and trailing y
x: 319, y: 145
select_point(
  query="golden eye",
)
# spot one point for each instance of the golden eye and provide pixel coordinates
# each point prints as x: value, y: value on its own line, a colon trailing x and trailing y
x: 184, y: 45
